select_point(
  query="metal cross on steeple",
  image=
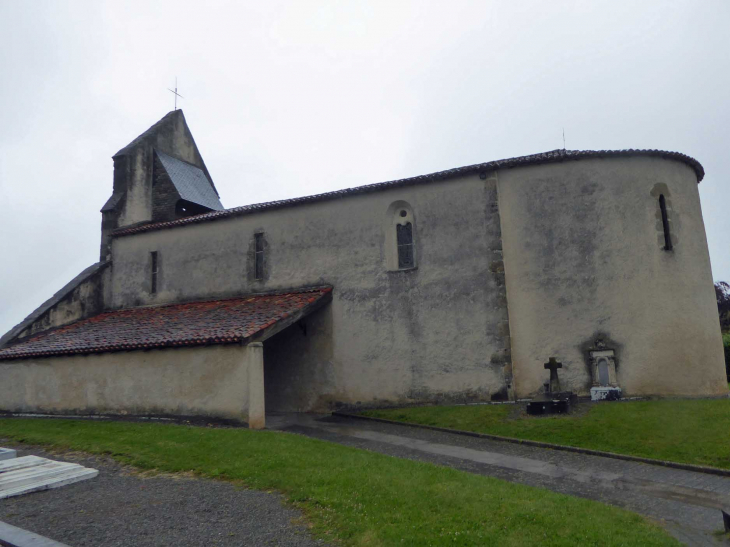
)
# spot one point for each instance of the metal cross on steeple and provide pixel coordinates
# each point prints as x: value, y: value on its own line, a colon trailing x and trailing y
x: 175, y: 93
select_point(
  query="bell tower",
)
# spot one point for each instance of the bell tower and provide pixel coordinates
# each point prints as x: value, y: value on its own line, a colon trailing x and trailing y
x: 136, y: 198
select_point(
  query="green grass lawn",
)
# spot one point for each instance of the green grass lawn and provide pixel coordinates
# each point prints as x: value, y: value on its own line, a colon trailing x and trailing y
x: 351, y: 496
x: 687, y: 431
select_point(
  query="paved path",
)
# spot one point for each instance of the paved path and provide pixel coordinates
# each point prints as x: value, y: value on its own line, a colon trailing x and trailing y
x: 685, y: 502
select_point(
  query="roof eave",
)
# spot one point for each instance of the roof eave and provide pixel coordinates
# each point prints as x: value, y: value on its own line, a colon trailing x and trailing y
x: 553, y: 156
x: 264, y: 333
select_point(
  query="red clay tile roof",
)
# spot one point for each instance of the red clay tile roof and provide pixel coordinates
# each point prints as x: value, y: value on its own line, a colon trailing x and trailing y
x: 554, y: 156
x: 227, y: 321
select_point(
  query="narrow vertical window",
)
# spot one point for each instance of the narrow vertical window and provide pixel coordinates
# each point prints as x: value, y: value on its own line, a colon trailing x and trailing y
x: 400, y: 231
x: 155, y: 271
x: 404, y: 236
x: 665, y: 223
x: 258, y: 260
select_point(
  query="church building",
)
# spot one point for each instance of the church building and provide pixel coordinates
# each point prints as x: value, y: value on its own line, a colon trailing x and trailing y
x: 451, y: 287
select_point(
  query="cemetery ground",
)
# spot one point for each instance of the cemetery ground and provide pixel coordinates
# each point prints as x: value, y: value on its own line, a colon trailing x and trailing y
x: 684, y: 431
x: 351, y: 496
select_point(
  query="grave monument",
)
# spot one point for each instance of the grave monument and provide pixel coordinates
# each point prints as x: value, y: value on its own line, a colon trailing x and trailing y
x: 553, y: 400
x: 603, y: 370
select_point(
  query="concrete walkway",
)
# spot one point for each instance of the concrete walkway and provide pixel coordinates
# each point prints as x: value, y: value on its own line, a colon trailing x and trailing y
x: 685, y: 502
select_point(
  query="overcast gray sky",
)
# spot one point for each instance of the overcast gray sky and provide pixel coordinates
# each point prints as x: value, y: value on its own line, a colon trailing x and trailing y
x: 294, y: 98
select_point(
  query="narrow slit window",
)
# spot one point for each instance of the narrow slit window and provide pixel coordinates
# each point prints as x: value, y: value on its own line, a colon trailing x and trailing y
x: 155, y: 271
x: 258, y: 260
x: 665, y: 223
x: 404, y: 234
x: 400, y: 237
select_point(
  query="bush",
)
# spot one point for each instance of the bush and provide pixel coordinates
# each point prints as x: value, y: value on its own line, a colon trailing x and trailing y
x: 722, y: 292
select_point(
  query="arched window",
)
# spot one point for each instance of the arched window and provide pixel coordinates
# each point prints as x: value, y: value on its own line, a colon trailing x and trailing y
x: 404, y: 235
x: 400, y: 230
x: 665, y: 223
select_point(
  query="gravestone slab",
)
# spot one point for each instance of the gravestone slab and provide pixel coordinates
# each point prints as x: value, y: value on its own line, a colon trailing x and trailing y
x: 7, y: 453
x: 551, y: 403
x: 605, y: 393
x: 32, y: 474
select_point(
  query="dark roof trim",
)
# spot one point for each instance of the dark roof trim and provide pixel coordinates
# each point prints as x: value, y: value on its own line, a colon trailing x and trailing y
x: 112, y: 202
x: 554, y: 156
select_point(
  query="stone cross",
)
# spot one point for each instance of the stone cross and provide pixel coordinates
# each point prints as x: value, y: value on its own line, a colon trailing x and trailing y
x: 552, y: 365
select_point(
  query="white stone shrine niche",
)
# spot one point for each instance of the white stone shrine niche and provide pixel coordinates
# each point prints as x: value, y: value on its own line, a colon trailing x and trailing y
x: 603, y: 369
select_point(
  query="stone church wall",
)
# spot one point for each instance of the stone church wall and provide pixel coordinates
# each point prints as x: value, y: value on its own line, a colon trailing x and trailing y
x: 436, y: 332
x: 584, y: 258
x: 85, y: 300
x: 84, y: 296
x: 209, y: 381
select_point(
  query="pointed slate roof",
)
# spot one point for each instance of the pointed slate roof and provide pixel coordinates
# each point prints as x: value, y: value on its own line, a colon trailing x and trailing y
x: 230, y: 321
x: 190, y: 182
x: 155, y: 137
x: 165, y: 120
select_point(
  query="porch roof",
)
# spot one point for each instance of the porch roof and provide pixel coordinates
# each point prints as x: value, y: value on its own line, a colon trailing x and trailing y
x: 233, y: 320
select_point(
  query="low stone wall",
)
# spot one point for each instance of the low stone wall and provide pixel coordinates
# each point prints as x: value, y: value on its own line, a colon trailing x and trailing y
x: 215, y: 381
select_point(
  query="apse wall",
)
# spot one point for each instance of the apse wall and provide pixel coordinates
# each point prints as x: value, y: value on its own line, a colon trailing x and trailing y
x: 585, y: 258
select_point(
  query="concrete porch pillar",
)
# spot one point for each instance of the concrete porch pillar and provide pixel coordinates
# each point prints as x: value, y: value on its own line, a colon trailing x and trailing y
x: 256, y: 404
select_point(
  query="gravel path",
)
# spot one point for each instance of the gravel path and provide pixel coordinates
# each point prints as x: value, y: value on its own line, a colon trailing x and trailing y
x: 123, y: 508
